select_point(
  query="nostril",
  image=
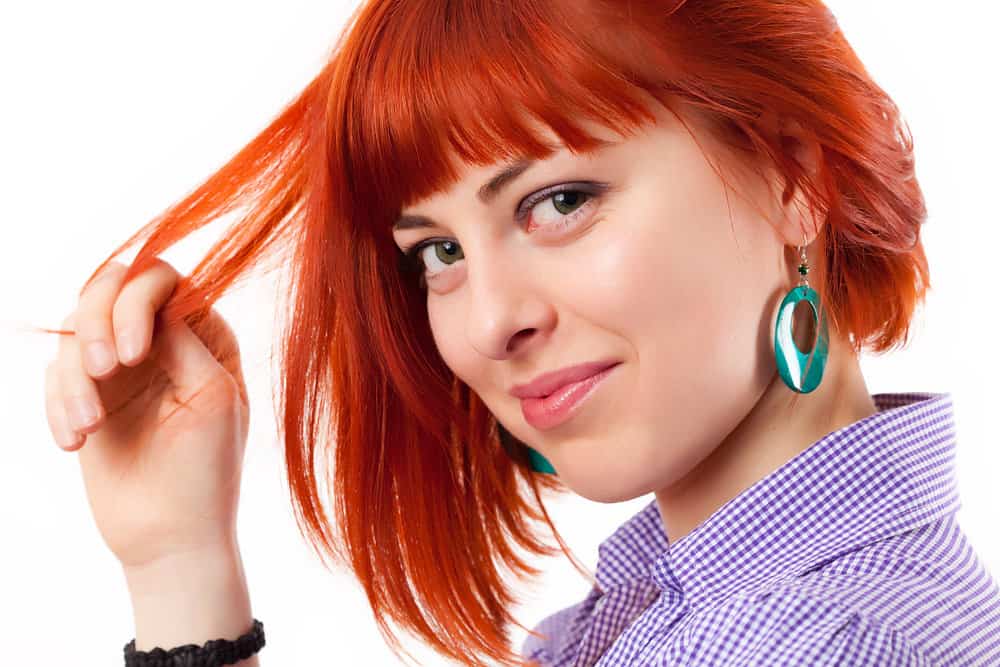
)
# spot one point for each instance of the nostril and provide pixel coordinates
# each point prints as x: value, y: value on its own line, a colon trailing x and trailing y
x: 515, y: 339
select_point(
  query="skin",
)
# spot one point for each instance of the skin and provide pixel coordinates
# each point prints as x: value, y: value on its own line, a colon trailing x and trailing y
x: 653, y: 273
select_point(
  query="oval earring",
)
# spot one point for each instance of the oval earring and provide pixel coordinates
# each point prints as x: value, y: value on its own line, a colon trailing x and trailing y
x: 802, y: 373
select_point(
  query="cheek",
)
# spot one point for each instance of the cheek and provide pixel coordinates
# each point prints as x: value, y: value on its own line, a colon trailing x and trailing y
x: 689, y: 290
x: 446, y: 329
x: 448, y: 320
x: 659, y: 276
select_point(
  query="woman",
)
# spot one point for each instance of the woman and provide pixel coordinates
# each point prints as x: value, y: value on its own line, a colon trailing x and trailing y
x: 701, y: 211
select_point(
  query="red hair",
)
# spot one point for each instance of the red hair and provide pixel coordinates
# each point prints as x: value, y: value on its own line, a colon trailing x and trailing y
x: 429, y: 507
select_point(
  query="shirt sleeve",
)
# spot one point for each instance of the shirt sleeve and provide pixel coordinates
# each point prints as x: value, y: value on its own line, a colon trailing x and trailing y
x: 791, y: 628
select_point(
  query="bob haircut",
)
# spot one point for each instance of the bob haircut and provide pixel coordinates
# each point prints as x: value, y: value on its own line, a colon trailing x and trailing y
x: 430, y: 507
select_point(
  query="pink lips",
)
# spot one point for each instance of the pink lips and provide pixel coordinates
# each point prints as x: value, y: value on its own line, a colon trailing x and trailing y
x: 550, y: 411
x: 546, y: 383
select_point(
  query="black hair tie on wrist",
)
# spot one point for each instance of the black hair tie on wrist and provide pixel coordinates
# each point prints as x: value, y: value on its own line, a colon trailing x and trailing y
x: 214, y: 653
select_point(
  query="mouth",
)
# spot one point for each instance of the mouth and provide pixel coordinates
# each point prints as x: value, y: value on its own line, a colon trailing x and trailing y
x: 557, y: 407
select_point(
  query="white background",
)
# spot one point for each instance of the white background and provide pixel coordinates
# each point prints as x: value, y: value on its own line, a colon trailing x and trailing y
x: 110, y: 111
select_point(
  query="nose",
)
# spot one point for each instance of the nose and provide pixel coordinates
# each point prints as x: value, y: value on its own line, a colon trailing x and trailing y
x: 508, y: 311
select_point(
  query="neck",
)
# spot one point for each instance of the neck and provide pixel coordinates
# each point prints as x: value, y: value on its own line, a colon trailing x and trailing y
x: 781, y: 425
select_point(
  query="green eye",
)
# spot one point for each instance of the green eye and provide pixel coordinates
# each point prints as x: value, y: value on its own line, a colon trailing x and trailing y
x: 448, y: 250
x: 445, y: 251
x: 575, y: 197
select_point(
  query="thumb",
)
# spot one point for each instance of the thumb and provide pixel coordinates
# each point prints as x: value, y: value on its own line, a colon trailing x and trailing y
x: 185, y: 358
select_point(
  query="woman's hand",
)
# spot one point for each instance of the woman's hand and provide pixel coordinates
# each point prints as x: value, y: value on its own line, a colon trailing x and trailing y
x: 162, y: 463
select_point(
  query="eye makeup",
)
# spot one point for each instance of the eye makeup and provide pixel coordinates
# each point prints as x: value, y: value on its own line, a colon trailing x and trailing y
x: 592, y: 191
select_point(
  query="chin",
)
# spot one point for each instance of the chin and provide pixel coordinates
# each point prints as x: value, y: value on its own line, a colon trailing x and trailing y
x: 605, y: 488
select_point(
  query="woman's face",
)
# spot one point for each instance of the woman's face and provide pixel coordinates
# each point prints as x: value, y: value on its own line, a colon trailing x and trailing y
x: 645, y: 261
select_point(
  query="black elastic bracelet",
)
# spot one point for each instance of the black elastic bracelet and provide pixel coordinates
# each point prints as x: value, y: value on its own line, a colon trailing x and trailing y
x: 214, y: 653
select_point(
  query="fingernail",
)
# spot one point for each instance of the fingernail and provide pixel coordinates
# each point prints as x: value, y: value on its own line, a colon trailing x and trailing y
x: 67, y: 436
x: 84, y: 413
x: 128, y: 344
x: 99, y: 357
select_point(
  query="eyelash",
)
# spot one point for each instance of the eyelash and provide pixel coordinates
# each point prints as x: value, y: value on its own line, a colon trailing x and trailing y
x: 593, y: 191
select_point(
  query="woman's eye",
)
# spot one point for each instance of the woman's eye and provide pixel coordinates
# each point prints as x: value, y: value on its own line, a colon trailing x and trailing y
x: 559, y: 207
x: 549, y: 212
x: 446, y: 252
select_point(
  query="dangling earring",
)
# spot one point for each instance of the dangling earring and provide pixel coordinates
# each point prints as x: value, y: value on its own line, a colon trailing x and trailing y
x: 539, y: 463
x: 516, y: 450
x: 801, y: 372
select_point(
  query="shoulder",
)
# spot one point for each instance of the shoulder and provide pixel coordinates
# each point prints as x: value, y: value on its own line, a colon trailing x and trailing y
x: 789, y: 626
x: 928, y: 583
x: 918, y: 598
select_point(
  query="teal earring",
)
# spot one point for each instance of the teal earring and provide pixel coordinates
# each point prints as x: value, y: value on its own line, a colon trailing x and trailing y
x: 518, y: 451
x: 539, y: 463
x: 801, y: 372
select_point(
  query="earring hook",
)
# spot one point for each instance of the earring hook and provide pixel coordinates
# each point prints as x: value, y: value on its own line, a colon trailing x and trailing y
x: 803, y: 262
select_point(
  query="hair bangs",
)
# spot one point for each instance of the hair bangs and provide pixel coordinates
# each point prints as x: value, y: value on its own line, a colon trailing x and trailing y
x: 498, y: 75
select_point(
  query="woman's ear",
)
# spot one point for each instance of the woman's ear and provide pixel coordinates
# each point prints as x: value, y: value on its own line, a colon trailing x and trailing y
x: 796, y: 218
x: 800, y: 145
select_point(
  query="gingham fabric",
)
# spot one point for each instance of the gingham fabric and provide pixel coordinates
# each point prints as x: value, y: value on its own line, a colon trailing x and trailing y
x: 848, y: 554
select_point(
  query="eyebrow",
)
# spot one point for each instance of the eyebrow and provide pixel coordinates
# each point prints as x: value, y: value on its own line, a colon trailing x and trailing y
x: 487, y: 193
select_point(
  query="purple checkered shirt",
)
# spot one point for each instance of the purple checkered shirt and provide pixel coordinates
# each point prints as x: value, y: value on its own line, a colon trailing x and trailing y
x: 848, y: 554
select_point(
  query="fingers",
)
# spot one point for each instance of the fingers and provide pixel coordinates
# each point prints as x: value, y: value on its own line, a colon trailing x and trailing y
x: 112, y: 322
x: 186, y: 360
x: 115, y: 322
x: 81, y: 402
x: 184, y: 357
x: 55, y: 411
x: 135, y: 308
x: 93, y: 321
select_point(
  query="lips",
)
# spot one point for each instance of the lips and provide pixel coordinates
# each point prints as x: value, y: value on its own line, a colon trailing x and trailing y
x: 559, y: 406
x: 548, y: 383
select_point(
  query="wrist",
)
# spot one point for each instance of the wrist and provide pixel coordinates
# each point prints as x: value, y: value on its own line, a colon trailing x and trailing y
x: 189, y: 598
x: 185, y: 569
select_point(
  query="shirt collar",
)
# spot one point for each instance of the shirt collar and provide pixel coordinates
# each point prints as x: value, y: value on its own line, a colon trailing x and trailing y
x: 880, y: 476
